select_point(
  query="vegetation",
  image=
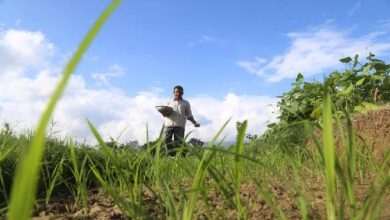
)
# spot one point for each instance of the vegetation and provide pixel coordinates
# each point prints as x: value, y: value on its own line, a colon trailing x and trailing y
x: 214, y: 182
x: 359, y: 87
x: 134, y: 178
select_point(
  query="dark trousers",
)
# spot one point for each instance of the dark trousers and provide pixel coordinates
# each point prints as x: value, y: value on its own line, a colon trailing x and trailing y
x: 177, y: 133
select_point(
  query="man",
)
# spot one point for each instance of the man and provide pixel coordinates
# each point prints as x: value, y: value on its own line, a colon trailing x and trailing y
x: 175, y: 121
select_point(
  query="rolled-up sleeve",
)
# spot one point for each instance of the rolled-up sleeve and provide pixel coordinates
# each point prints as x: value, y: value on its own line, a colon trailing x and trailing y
x: 188, y: 111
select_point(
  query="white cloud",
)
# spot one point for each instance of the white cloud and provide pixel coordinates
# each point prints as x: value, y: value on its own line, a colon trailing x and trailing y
x: 22, y: 49
x: 354, y: 9
x: 252, y: 66
x: 213, y: 113
x: 27, y: 85
x: 205, y: 39
x: 383, y: 24
x: 114, y: 71
x: 314, y: 52
x: 18, y: 22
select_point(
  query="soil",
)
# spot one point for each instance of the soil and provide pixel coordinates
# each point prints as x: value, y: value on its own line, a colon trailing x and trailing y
x: 100, y: 206
x: 373, y: 126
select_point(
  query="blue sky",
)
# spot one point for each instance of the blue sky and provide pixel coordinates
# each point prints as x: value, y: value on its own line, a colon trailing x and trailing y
x: 228, y: 55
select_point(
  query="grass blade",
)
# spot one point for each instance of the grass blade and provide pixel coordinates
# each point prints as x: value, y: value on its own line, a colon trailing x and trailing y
x: 171, y: 200
x: 56, y: 175
x: 199, y: 176
x: 237, y: 163
x: 329, y: 156
x: 25, y: 182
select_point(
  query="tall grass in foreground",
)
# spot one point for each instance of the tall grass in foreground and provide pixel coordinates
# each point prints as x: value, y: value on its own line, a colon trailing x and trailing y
x: 25, y: 182
x: 340, y: 176
x: 238, y: 168
x: 224, y: 167
x: 80, y: 174
x: 199, y: 176
x: 125, y: 175
x: 329, y: 157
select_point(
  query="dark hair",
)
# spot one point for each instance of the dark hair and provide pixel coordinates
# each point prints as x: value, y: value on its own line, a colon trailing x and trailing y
x: 178, y: 87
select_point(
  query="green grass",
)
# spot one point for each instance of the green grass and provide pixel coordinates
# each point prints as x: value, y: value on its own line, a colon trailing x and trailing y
x: 329, y: 157
x: 25, y: 183
x: 207, y: 175
x: 183, y: 183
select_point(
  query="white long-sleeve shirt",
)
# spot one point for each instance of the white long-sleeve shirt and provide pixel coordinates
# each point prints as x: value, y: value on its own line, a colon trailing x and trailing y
x: 181, y: 112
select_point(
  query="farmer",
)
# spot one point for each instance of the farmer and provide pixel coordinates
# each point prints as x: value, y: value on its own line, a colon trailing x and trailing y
x: 175, y: 121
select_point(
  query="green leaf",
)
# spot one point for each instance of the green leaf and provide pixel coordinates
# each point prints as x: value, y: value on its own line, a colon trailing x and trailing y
x: 346, y: 60
x: 355, y: 60
x: 271, y: 125
x: 378, y: 76
x: 360, y: 82
x: 347, y: 91
x: 365, y: 106
x: 379, y: 66
x: 377, y: 60
x: 317, y: 112
x: 348, y: 75
x: 366, y: 69
x: 299, y: 77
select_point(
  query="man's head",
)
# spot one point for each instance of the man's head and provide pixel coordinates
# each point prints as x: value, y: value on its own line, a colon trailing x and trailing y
x: 178, y: 92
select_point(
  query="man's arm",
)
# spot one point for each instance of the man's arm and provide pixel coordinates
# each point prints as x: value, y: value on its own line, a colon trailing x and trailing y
x: 190, y: 117
x: 196, y: 124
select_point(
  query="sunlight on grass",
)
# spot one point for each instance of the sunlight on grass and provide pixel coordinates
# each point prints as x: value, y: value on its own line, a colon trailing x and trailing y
x: 25, y: 182
x: 329, y: 157
x: 280, y: 169
x: 200, y: 175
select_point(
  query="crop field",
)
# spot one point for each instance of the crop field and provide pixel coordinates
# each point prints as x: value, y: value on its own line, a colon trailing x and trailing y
x: 327, y: 157
x: 247, y: 180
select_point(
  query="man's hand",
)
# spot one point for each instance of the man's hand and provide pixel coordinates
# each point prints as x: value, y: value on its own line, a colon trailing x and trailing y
x: 164, y: 110
x: 196, y: 124
x: 165, y: 113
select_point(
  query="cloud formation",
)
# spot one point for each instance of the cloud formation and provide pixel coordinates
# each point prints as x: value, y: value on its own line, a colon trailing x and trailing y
x: 114, y: 71
x: 354, y: 9
x: 28, y: 77
x: 314, y: 52
x: 205, y: 39
x: 20, y: 50
x: 213, y: 113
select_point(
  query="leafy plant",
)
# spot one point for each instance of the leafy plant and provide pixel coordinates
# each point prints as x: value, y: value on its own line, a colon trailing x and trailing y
x: 354, y: 86
x: 358, y: 88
